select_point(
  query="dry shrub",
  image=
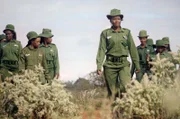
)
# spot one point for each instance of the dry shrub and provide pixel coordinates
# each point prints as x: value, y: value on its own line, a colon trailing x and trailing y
x: 155, y: 98
x: 32, y: 99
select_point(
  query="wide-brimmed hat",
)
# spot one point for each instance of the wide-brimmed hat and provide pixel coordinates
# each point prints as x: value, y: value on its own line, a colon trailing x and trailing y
x: 46, y: 33
x: 160, y: 43
x: 150, y: 42
x: 166, y: 40
x: 115, y: 12
x: 142, y: 34
x: 31, y: 35
x: 9, y: 27
x: 2, y: 36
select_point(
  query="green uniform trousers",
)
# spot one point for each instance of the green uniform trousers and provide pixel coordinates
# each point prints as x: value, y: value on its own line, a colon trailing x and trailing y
x: 7, y: 72
x: 116, y: 80
x: 143, y: 70
x: 51, y: 73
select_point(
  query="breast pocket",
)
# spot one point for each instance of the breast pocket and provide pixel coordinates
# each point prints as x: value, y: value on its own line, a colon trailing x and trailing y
x: 15, y: 49
x: 29, y: 60
x: 124, y: 42
x: 40, y: 58
x: 110, y: 41
x: 51, y: 55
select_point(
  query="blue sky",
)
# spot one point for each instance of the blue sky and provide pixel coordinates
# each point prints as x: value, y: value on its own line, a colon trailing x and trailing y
x: 77, y: 24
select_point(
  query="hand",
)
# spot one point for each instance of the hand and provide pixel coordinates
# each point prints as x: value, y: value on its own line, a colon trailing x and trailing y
x: 148, y: 57
x: 137, y: 71
x: 57, y: 76
x: 99, y: 72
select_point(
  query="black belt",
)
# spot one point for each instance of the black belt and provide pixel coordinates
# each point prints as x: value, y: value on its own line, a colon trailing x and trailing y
x: 49, y: 61
x: 10, y: 62
x: 116, y: 59
x: 144, y: 65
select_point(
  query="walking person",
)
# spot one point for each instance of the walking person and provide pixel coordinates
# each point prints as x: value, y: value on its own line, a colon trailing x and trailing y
x: 32, y: 56
x: 51, y: 53
x: 144, y: 52
x: 167, y: 44
x: 115, y: 43
x: 9, y: 53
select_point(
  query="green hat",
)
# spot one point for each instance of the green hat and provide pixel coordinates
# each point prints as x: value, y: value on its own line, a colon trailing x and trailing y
x: 46, y: 33
x: 160, y: 43
x: 115, y: 12
x: 2, y: 36
x: 10, y: 27
x: 166, y: 40
x: 142, y: 34
x: 31, y: 35
x: 150, y: 41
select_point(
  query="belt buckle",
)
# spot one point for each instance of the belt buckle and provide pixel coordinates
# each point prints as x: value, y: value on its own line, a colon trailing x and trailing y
x: 115, y: 59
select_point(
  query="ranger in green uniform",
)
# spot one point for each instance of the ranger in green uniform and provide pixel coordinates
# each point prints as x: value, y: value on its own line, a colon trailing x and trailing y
x: 160, y: 45
x: 150, y: 43
x: 51, y: 53
x: 168, y: 50
x: 115, y: 43
x: 9, y: 52
x: 143, y: 50
x: 32, y: 56
x: 2, y: 38
x: 167, y: 44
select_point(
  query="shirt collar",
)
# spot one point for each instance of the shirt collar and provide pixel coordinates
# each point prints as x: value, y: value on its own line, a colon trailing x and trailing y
x: 32, y: 48
x: 163, y: 53
x: 42, y: 45
x: 113, y: 31
x: 13, y: 40
x: 145, y: 46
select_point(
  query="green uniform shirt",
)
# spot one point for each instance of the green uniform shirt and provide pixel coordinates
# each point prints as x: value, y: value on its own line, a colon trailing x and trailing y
x: 10, y: 53
x: 30, y: 57
x: 118, y: 44
x: 51, y: 53
x: 143, y: 52
x: 162, y: 55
